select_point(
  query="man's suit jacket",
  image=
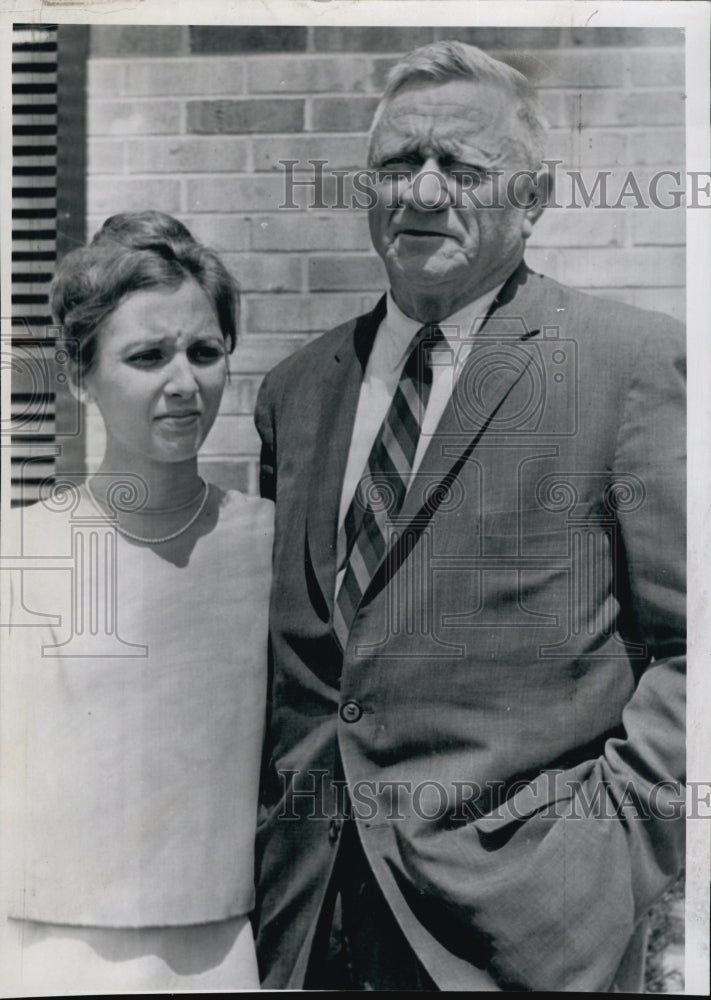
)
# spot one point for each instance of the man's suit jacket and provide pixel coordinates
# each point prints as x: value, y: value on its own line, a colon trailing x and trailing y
x: 516, y: 669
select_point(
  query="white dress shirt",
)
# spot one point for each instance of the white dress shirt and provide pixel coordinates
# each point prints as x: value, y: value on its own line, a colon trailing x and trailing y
x: 382, y: 374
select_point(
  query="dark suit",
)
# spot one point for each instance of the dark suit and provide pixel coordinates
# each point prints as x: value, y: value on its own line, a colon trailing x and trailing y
x: 527, y: 635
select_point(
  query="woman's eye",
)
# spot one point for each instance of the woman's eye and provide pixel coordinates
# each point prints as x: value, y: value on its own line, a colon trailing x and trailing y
x: 205, y: 353
x: 152, y: 356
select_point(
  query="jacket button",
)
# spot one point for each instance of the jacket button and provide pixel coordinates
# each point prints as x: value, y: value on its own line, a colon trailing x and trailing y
x: 334, y: 830
x: 351, y: 711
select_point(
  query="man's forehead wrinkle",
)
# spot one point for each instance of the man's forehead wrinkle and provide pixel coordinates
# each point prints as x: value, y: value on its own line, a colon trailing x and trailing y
x: 462, y: 118
x: 447, y: 143
x: 453, y: 121
x: 505, y: 153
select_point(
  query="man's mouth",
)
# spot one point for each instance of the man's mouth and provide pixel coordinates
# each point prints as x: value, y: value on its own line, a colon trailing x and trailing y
x: 434, y: 233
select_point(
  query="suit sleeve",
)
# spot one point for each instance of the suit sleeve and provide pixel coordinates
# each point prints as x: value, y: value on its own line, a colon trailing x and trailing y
x: 561, y: 879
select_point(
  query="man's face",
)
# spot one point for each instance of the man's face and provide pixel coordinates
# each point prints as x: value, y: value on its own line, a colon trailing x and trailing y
x: 434, y: 143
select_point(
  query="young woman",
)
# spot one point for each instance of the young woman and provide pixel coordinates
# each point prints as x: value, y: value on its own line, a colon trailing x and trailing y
x: 135, y: 708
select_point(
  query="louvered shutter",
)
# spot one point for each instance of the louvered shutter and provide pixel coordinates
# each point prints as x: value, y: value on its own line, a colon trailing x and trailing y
x: 45, y: 420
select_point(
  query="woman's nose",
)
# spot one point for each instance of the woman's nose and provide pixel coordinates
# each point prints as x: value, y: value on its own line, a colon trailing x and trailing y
x: 428, y: 190
x: 181, y: 377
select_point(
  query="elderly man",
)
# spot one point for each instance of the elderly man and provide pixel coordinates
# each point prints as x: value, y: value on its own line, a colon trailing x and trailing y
x: 476, y: 733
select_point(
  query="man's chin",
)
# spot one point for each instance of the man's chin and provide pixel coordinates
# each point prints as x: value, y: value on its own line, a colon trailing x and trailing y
x: 426, y: 273
x: 433, y: 252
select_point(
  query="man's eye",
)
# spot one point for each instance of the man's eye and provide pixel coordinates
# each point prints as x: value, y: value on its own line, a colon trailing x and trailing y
x: 144, y: 359
x: 467, y: 176
x: 205, y: 354
x: 399, y: 166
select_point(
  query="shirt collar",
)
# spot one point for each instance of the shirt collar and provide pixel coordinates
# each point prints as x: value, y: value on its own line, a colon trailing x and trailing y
x: 461, y: 325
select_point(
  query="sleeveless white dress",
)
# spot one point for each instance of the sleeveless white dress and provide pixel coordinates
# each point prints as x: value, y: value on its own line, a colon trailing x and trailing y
x: 133, y: 694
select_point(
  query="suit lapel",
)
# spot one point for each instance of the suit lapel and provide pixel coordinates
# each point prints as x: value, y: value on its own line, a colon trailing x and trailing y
x: 342, y: 381
x: 515, y: 317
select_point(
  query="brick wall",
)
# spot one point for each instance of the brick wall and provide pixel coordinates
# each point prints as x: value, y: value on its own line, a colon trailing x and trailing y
x: 194, y: 121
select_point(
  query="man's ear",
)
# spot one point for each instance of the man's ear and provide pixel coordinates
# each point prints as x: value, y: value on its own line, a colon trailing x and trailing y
x: 540, y: 195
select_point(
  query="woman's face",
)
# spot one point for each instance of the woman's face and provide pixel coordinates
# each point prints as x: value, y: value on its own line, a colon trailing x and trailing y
x: 159, y: 373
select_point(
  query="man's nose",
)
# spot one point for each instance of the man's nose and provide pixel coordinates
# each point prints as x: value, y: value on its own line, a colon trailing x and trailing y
x: 181, y: 379
x: 428, y: 190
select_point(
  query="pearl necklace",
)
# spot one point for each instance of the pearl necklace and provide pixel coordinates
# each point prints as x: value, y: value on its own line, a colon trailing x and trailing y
x: 164, y: 538
x: 181, y: 506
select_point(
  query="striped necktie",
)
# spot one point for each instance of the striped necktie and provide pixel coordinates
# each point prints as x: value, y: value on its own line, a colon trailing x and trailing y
x: 362, y: 540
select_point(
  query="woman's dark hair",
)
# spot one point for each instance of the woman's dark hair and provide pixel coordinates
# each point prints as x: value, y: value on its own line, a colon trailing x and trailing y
x: 132, y: 252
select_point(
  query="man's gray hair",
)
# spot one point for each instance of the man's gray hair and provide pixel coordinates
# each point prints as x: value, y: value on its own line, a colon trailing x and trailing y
x: 439, y: 62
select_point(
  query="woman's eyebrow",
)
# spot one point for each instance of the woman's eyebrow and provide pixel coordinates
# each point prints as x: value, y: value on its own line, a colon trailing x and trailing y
x: 158, y: 339
x: 142, y: 339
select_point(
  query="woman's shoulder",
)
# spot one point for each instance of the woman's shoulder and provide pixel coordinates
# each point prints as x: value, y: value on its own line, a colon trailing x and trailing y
x: 245, y: 502
x: 245, y: 532
x: 253, y: 510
